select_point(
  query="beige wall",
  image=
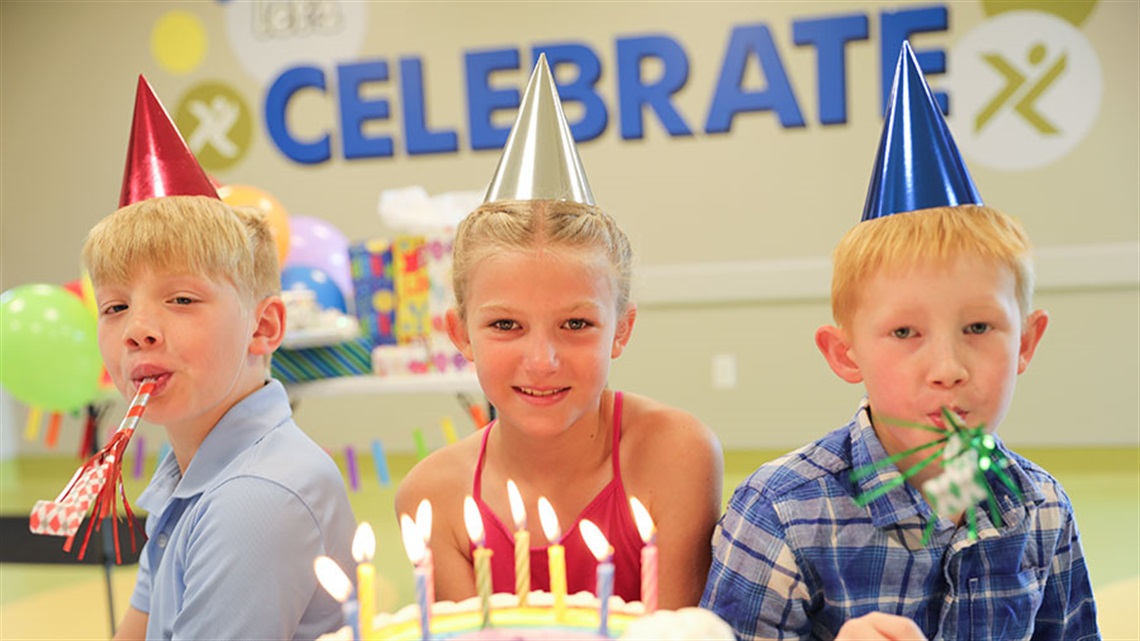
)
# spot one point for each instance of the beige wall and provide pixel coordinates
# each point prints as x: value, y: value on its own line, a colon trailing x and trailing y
x: 732, y: 231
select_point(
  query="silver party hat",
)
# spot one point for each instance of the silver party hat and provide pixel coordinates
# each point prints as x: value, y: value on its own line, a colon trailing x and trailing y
x: 540, y: 160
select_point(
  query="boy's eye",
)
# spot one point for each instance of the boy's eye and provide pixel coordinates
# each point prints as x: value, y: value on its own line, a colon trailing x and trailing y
x: 577, y: 323
x: 977, y: 328
x: 504, y: 325
x: 114, y: 308
x: 902, y: 332
x: 182, y: 300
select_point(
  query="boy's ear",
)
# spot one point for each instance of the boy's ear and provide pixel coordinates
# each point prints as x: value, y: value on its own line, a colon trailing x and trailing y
x: 269, y: 330
x: 457, y: 331
x: 1030, y: 337
x: 836, y: 349
x: 624, y: 331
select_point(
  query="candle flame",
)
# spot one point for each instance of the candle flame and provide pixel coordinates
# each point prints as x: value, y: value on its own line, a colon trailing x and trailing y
x: 413, y: 542
x: 364, y: 543
x: 473, y: 521
x: 645, y: 526
x: 595, y: 540
x: 423, y: 520
x: 518, y: 510
x: 332, y: 578
x: 549, y: 520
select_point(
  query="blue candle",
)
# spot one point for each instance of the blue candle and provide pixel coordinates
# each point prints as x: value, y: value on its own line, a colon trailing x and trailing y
x: 602, y: 551
x: 421, y: 574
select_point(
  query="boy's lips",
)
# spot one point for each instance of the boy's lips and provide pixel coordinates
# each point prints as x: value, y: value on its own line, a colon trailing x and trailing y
x: 939, y: 419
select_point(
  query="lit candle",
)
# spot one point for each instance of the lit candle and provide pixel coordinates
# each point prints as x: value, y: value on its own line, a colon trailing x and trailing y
x: 602, y: 551
x: 363, y: 548
x: 336, y: 582
x: 423, y: 524
x: 648, y: 532
x: 522, y: 543
x: 474, y: 524
x: 556, y: 556
x: 414, y: 546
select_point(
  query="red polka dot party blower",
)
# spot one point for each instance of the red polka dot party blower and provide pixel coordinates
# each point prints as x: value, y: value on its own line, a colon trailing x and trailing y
x: 96, y: 485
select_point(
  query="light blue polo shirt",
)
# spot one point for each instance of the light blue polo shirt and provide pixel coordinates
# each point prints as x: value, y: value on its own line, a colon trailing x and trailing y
x: 231, y: 543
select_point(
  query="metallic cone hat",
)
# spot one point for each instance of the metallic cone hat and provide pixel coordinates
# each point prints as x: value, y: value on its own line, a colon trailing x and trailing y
x: 918, y: 165
x: 159, y: 163
x: 540, y: 160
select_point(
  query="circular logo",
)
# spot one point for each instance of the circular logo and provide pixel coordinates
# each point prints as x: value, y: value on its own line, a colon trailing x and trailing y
x: 270, y: 36
x: 216, y: 123
x: 1026, y: 88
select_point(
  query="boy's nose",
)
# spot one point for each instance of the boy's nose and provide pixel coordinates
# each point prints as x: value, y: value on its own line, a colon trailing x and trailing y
x: 947, y: 368
x: 141, y: 332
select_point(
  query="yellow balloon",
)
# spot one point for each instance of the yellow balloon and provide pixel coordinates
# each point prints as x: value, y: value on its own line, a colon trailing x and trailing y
x: 275, y: 214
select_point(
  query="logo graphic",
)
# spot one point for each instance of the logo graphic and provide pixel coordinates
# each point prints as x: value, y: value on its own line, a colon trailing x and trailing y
x: 270, y: 35
x: 216, y: 123
x: 1026, y: 87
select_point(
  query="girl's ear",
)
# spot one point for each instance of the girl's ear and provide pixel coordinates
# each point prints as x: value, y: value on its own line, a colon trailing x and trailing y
x: 269, y: 330
x: 457, y: 331
x: 835, y: 346
x: 624, y: 330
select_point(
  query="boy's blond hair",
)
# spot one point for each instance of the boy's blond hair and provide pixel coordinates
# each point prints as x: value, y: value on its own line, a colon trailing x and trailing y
x: 192, y: 234
x: 531, y: 224
x: 935, y: 236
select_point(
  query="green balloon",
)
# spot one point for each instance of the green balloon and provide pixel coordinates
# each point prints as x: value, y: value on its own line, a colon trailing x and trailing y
x: 49, y: 353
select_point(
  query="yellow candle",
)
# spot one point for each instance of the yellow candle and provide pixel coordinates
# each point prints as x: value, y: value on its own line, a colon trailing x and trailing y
x: 522, y: 543
x: 482, y: 556
x: 363, y: 548
x: 556, y: 556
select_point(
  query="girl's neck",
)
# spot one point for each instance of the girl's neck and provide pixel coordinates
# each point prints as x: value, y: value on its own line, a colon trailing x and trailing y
x: 580, y: 450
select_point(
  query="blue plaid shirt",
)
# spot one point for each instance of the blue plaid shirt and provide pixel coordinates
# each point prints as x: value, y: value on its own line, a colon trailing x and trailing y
x: 794, y: 557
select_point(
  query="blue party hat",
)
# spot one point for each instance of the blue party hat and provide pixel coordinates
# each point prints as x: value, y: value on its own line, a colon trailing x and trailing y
x: 918, y: 165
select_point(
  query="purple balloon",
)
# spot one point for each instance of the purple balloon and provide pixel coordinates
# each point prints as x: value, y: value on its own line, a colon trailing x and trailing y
x: 317, y: 244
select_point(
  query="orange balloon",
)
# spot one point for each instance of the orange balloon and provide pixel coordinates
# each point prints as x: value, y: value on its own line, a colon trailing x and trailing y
x: 275, y: 214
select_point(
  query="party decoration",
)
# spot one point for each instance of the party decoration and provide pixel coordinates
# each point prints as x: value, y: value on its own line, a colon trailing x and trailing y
x: 918, y: 165
x: 380, y: 461
x: 328, y: 294
x: 540, y: 160
x: 316, y: 243
x: 350, y: 464
x: 49, y: 355
x: 97, y: 483
x: 967, y: 455
x: 159, y: 162
x: 275, y: 214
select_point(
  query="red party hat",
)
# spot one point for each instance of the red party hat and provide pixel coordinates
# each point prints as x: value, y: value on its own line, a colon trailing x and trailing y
x: 159, y: 163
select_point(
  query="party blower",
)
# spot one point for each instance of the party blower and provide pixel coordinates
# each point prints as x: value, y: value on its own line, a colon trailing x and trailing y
x: 97, y: 483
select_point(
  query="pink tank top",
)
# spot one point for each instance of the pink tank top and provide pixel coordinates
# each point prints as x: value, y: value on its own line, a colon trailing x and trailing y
x: 609, y: 511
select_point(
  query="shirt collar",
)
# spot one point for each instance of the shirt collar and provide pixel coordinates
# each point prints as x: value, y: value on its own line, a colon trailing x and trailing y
x: 244, y: 424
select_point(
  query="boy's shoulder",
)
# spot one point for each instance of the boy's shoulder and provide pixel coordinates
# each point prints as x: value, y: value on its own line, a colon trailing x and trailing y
x: 803, y: 471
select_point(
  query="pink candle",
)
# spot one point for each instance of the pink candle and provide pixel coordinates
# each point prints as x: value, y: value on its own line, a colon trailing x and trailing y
x: 648, y: 534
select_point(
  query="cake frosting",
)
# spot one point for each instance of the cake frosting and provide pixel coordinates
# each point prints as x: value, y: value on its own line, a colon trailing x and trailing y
x: 463, y: 621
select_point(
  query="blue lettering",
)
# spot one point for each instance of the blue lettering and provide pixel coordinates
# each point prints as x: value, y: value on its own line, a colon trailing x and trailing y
x: 420, y: 139
x: 277, y: 103
x: 582, y: 90
x: 482, y: 101
x: 634, y: 94
x: 730, y: 99
x: 897, y: 26
x: 830, y: 37
x: 354, y: 110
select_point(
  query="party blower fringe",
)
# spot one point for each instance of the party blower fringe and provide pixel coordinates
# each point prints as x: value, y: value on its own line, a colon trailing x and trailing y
x: 96, y: 484
x: 967, y: 454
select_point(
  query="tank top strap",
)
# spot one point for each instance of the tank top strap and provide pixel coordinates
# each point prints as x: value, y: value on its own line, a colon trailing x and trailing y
x: 617, y: 436
x: 477, y: 486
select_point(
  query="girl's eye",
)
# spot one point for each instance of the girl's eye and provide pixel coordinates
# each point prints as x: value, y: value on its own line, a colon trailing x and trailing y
x: 977, y: 328
x: 504, y: 325
x: 577, y: 323
x: 902, y: 332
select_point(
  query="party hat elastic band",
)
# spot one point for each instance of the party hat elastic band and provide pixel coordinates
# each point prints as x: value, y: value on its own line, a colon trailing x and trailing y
x: 540, y: 160
x: 159, y: 162
x: 96, y: 484
x: 918, y: 165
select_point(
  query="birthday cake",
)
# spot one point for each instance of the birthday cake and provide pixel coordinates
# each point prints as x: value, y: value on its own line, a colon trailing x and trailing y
x: 535, y: 621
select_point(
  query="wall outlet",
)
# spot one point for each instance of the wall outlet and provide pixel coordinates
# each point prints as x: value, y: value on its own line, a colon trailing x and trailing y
x: 724, y: 371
